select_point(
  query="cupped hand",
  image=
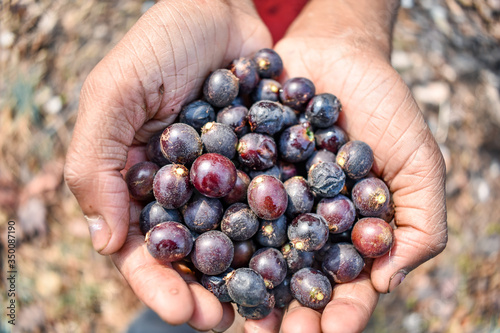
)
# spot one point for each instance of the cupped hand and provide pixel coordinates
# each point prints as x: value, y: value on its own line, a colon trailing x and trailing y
x: 346, y: 51
x: 135, y: 91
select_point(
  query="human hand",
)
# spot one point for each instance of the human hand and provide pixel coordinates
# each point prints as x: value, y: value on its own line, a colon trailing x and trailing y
x: 135, y: 91
x: 344, y: 48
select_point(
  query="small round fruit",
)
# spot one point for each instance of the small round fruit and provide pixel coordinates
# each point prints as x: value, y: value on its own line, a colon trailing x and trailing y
x: 239, y: 191
x: 216, y: 284
x: 219, y: 138
x: 297, y: 92
x: 267, y: 197
x: 153, y: 151
x: 320, y: 156
x: 295, y: 259
x: 266, y: 117
x: 169, y: 241
x: 221, y: 88
x: 308, y: 232
x: 331, y: 138
x: 202, y: 214
x: 272, y: 233
x: 246, y: 287
x: 139, y: 179
x: 326, y: 179
x: 323, y: 110
x: 260, y: 311
x: 212, y: 252
x: 300, y: 196
x: 267, y: 90
x: 243, y: 252
x: 371, y: 197
x: 269, y: 63
x: 181, y: 144
x: 171, y: 186
x: 270, y: 264
x: 154, y: 213
x: 257, y: 151
x: 245, y: 69
x: 355, y: 158
x: 239, y: 222
x: 343, y: 262
x: 311, y: 288
x: 236, y: 118
x: 372, y: 237
x: 213, y: 175
x: 339, y: 213
x: 296, y: 143
x: 196, y: 114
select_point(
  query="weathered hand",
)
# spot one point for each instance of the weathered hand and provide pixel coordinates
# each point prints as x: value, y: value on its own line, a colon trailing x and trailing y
x: 135, y: 91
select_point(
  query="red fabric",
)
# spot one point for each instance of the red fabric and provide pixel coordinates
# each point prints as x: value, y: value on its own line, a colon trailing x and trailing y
x: 279, y: 14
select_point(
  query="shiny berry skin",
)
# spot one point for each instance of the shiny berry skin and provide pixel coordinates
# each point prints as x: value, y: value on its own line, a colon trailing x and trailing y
x: 169, y: 241
x: 342, y: 262
x: 196, y: 114
x: 371, y: 197
x: 355, y: 158
x: 287, y: 169
x: 273, y: 171
x: 171, y: 186
x: 272, y: 233
x: 202, y: 214
x: 289, y: 117
x: 296, y: 143
x: 257, y: 151
x: 245, y: 69
x: 267, y: 90
x: 311, y: 288
x: 139, y: 179
x: 260, y: 311
x: 221, y: 88
x: 323, y: 110
x: 154, y: 213
x: 300, y: 196
x: 243, y: 252
x: 308, y: 232
x: 239, y: 191
x: 372, y: 237
x: 213, y: 175
x: 297, y: 92
x: 296, y: 259
x: 339, y: 213
x: 219, y: 138
x: 326, y: 179
x: 282, y: 294
x: 270, y: 264
x: 216, y: 284
x: 236, y: 117
x: 331, y: 138
x: 266, y: 117
x: 212, y: 252
x: 181, y: 144
x: 239, y: 222
x: 246, y: 287
x: 153, y: 151
x: 269, y: 63
x: 320, y: 156
x: 267, y: 197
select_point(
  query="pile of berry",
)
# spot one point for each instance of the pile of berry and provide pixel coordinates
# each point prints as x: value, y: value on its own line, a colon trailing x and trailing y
x: 260, y: 193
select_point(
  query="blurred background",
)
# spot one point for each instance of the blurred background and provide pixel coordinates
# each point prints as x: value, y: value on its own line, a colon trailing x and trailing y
x: 447, y: 51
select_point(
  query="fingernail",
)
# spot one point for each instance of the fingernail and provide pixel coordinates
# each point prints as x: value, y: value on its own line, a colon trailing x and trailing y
x: 396, y: 280
x: 99, y: 232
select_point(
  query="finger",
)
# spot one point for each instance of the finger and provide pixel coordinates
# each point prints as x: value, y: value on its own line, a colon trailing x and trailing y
x: 300, y: 319
x: 208, y: 311
x: 227, y: 318
x: 269, y: 324
x: 351, y: 307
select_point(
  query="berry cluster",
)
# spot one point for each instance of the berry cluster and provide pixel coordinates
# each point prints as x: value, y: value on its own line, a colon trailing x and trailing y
x: 260, y: 193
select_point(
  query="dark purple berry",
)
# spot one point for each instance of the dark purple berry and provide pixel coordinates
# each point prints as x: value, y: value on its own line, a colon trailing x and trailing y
x: 372, y: 237
x: 212, y: 252
x: 326, y: 179
x: 296, y: 259
x: 339, y: 213
x: 246, y: 287
x: 154, y: 213
x: 260, y: 311
x: 153, y: 151
x: 236, y: 117
x: 181, y: 144
x: 273, y: 171
x: 243, y: 252
x: 331, y: 138
x: 296, y: 143
x: 287, y: 169
x: 267, y: 90
x: 245, y: 69
x: 300, y: 196
x: 297, y: 92
x: 311, y: 288
x: 343, y: 262
x: 216, y: 284
x: 323, y: 110
x: 219, y: 138
x: 169, y: 241
x: 267, y: 197
x: 269, y: 63
x: 171, y: 186
x: 196, y: 114
x: 320, y: 156
x: 289, y: 117
x: 239, y: 191
x: 308, y: 232
x: 282, y: 294
x: 266, y: 117
x: 355, y: 158
x: 213, y: 175
x: 202, y: 213
x: 371, y: 197
x: 239, y: 222
x: 272, y: 233
x: 257, y: 151
x: 221, y: 88
x: 139, y: 179
x: 270, y: 264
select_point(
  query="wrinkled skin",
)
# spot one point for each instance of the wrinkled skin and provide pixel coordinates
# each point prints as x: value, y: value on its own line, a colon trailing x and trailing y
x: 160, y: 65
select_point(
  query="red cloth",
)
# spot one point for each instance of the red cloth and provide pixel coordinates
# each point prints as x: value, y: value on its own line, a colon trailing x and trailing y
x: 279, y: 14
